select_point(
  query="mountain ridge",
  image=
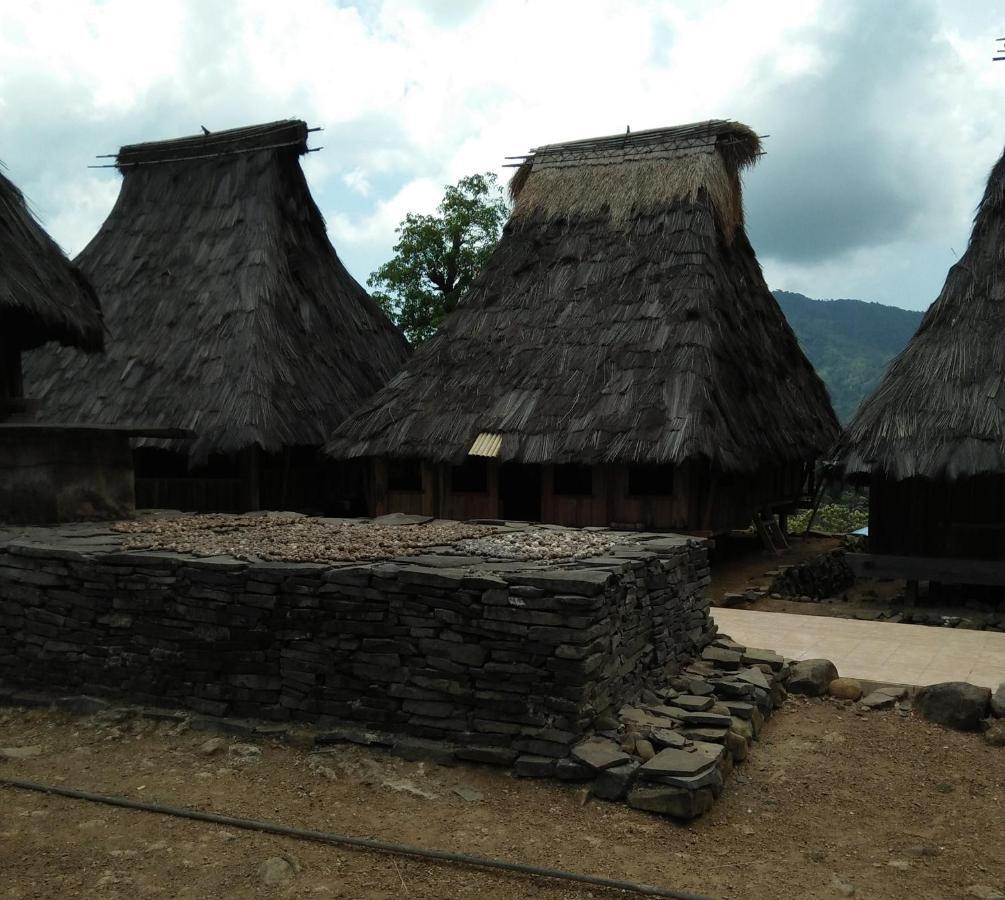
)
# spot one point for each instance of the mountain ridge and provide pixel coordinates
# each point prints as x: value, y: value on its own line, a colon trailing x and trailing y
x: 849, y: 342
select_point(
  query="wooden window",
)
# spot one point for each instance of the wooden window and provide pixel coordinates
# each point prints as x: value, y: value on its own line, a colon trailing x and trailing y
x: 650, y: 481
x: 404, y: 475
x: 471, y: 477
x: 572, y: 480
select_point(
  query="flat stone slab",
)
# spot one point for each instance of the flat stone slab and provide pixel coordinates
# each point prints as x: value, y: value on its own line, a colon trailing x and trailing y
x: 600, y: 753
x: 740, y: 708
x: 878, y: 700
x: 690, y: 761
x: 723, y: 659
x: 693, y: 703
x: 755, y: 677
x: 753, y: 656
x: 706, y: 720
x: 665, y: 737
x: 680, y: 803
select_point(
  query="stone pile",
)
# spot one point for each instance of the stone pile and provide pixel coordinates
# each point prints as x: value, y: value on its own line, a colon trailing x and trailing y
x: 479, y: 659
x: 671, y: 751
x: 814, y: 579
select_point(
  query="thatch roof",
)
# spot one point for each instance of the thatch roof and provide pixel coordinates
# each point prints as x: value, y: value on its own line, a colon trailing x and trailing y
x: 940, y: 410
x: 228, y: 310
x: 623, y: 317
x: 42, y: 296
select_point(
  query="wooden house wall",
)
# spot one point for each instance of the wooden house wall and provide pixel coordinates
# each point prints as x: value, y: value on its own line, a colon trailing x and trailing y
x: 962, y: 519
x: 699, y: 502
x: 296, y: 479
x: 579, y: 510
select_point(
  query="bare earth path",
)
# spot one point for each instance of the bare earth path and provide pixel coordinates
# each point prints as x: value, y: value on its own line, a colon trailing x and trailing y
x: 829, y: 798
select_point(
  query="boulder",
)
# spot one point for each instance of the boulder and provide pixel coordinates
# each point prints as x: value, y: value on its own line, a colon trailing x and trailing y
x: 671, y: 801
x: 955, y: 704
x: 845, y: 689
x: 613, y: 783
x: 998, y: 702
x: 811, y: 677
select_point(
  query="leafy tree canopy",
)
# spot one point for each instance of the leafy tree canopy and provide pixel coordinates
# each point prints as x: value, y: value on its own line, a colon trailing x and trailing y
x: 437, y: 257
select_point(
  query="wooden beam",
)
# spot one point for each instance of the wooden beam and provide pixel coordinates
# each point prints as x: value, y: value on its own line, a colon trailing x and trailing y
x: 921, y: 568
x: 250, y: 466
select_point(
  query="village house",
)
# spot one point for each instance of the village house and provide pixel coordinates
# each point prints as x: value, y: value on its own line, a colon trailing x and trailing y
x: 620, y: 360
x: 229, y: 314
x: 930, y: 440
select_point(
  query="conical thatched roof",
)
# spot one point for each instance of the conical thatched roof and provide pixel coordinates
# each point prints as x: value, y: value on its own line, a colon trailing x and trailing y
x: 623, y: 317
x: 42, y: 296
x: 228, y: 310
x: 940, y: 410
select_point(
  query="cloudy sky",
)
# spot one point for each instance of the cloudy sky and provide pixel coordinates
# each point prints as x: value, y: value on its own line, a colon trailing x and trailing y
x: 883, y: 118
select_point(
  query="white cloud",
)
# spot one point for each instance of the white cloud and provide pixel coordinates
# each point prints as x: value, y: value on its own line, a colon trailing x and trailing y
x: 414, y: 94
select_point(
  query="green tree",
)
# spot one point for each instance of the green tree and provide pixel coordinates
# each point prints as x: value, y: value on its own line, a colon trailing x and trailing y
x: 437, y: 257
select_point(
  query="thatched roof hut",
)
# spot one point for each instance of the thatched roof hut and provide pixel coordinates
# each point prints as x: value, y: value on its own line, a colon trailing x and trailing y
x: 42, y: 296
x: 930, y: 440
x: 623, y: 319
x: 229, y: 312
x: 940, y: 410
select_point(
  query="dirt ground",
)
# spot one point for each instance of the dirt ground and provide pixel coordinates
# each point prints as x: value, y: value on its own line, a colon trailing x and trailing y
x: 741, y: 563
x: 829, y: 801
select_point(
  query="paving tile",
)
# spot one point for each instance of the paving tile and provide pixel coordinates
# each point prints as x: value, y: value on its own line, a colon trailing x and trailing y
x: 882, y: 651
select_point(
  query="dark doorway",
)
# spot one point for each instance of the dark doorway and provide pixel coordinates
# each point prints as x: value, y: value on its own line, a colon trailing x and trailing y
x: 520, y: 492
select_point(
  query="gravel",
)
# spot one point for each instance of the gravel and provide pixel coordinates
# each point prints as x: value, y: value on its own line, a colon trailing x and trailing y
x: 544, y: 544
x: 282, y: 538
x: 294, y: 538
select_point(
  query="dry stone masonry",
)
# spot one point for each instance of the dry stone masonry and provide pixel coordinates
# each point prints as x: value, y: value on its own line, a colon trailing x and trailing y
x: 488, y: 659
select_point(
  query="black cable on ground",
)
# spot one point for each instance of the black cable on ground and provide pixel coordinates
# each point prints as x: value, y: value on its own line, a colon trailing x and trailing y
x: 324, y: 837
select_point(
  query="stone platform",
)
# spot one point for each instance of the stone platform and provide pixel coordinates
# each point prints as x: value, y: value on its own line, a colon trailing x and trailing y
x: 493, y: 656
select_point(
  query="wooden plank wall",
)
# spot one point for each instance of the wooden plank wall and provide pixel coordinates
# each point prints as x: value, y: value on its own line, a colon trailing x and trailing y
x: 963, y: 519
x: 698, y: 503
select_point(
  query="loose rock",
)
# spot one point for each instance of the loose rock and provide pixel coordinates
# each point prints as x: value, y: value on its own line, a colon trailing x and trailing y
x: 845, y: 689
x: 955, y: 704
x: 278, y: 869
x: 995, y: 735
x: 812, y: 677
x: 599, y: 753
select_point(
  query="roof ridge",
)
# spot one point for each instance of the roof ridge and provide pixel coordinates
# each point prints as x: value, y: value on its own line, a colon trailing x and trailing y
x: 249, y: 139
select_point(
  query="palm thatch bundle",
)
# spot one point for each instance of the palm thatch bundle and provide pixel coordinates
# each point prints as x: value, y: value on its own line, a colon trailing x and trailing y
x: 940, y: 410
x: 622, y: 318
x: 42, y: 296
x: 228, y: 310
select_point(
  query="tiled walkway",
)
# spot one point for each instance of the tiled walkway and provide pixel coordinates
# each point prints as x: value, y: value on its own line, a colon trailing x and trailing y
x: 878, y: 651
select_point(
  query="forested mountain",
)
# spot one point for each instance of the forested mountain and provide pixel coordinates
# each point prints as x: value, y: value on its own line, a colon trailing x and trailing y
x: 849, y: 342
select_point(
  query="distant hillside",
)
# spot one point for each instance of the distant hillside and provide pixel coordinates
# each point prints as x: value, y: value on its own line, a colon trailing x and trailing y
x: 849, y: 342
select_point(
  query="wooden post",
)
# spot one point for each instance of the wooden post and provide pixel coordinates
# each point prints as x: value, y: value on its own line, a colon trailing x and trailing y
x: 250, y: 465
x: 911, y: 593
x: 379, y: 498
x: 284, y: 491
x: 11, y: 381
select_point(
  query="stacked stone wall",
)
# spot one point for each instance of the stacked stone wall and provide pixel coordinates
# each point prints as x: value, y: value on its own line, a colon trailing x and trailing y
x: 500, y: 659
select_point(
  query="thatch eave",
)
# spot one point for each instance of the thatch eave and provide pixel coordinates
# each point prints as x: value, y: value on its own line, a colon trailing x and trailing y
x: 939, y: 412
x: 43, y: 296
